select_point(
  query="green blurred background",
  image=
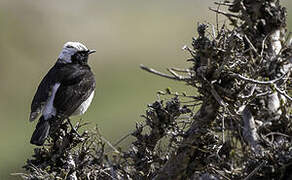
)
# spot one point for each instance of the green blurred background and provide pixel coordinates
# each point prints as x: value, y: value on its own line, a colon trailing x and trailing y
x: 124, y: 33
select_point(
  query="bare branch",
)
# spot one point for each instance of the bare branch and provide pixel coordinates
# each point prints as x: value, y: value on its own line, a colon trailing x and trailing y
x: 110, y: 145
x: 175, y: 74
x: 238, y: 76
x: 153, y: 71
x: 250, y: 94
x: 277, y: 133
x: 224, y: 3
x: 215, y: 94
x: 186, y: 48
x: 283, y: 93
x: 251, y: 45
x: 224, y: 13
x: 180, y: 70
x: 220, y: 173
x: 263, y: 45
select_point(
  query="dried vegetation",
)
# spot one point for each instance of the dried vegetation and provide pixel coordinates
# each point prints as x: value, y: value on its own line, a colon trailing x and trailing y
x: 237, y: 126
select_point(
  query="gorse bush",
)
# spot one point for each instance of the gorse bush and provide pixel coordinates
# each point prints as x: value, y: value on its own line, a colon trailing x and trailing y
x: 237, y: 123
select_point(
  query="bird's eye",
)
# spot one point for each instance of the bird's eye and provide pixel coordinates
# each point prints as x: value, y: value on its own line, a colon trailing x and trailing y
x: 69, y: 46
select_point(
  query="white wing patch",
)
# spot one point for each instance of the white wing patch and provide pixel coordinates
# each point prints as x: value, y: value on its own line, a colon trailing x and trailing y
x: 49, y: 109
x: 84, y: 106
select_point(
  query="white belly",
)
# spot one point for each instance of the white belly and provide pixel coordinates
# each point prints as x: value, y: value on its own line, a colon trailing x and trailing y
x: 84, y: 106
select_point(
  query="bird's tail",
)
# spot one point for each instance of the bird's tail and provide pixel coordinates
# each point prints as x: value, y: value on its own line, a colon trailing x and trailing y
x: 41, y: 132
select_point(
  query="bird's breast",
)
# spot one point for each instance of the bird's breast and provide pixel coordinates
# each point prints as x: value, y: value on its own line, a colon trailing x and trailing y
x: 84, y: 106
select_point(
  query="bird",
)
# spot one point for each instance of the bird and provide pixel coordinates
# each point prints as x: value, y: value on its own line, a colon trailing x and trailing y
x: 66, y: 90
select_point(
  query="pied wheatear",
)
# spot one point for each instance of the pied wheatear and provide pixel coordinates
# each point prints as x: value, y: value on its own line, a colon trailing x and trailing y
x: 66, y: 90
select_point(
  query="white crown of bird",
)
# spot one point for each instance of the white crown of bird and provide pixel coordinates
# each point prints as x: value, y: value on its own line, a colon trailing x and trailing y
x: 69, y: 49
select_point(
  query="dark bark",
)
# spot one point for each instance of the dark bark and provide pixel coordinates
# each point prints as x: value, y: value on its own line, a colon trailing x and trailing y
x: 178, y: 166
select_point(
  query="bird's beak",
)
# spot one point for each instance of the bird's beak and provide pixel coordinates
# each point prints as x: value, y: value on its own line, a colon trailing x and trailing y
x: 91, y: 51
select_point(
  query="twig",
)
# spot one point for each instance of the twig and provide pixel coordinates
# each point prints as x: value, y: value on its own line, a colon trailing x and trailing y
x: 264, y: 93
x: 263, y: 45
x: 224, y: 3
x: 277, y: 133
x: 215, y: 94
x: 180, y: 70
x: 220, y: 173
x: 217, y: 97
x: 192, y: 105
x: 175, y: 74
x: 213, y: 32
x: 251, y: 45
x: 186, y: 48
x: 224, y: 13
x: 223, y: 125
x: 238, y: 76
x: 217, y: 19
x: 126, y: 136
x: 283, y: 93
x: 255, y: 171
x: 153, y: 71
x: 106, y: 173
x: 250, y: 94
x: 105, y: 140
x: 123, y: 138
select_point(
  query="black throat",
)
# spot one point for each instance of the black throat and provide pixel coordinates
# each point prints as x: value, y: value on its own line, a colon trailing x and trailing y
x: 80, y: 57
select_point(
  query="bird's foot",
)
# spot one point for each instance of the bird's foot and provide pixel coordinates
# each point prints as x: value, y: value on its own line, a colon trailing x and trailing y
x: 73, y: 129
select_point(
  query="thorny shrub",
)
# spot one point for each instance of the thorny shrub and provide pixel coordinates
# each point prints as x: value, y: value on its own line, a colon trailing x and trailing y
x: 240, y: 76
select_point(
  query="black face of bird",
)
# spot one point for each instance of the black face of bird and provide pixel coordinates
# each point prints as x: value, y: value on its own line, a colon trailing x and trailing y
x: 81, y: 57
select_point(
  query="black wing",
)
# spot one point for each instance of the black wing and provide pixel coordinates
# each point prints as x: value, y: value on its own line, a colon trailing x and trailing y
x: 42, y: 94
x: 75, y: 88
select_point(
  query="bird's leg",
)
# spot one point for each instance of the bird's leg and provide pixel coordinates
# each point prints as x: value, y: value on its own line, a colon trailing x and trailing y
x: 72, y: 128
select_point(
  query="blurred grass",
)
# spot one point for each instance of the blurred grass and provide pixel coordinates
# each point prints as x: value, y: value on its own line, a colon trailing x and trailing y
x: 125, y: 34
